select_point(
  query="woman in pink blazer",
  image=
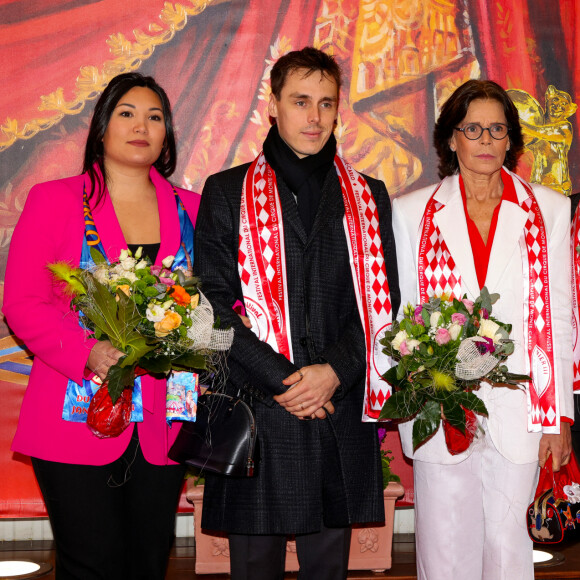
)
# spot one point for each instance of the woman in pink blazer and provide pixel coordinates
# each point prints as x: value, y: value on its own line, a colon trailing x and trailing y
x: 111, y: 502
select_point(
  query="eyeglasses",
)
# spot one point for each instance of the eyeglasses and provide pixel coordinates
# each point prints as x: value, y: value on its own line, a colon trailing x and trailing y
x: 474, y: 131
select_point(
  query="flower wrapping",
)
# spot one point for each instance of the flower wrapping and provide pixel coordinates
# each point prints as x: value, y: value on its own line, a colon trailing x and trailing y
x: 444, y: 349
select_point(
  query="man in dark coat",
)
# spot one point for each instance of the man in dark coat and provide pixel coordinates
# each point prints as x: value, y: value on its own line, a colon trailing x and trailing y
x: 305, y: 361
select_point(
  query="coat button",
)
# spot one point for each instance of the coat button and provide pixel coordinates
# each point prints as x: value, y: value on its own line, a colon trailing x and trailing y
x: 304, y: 341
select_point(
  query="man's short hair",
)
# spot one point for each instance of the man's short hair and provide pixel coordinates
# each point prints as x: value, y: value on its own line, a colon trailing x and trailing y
x: 309, y: 58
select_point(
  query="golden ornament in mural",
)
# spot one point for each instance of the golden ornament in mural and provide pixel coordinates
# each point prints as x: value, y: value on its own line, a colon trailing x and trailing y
x: 548, y: 135
x: 405, y: 53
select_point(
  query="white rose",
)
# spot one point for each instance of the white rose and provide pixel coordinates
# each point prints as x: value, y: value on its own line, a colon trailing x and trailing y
x: 434, y: 318
x: 140, y: 265
x: 488, y: 328
x: 168, y: 261
x: 123, y: 255
x: 102, y: 274
x: 155, y: 313
x: 128, y: 263
x: 399, y: 338
x: 454, y: 330
x: 412, y: 344
x: 131, y: 276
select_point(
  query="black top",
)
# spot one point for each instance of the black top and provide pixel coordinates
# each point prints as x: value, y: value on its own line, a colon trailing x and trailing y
x: 149, y: 250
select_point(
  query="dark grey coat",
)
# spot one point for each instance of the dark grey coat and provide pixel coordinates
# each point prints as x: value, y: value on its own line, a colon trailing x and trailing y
x: 310, y: 471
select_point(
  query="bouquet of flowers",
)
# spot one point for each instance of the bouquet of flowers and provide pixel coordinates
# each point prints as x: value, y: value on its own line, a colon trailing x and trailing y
x: 157, y: 317
x: 444, y: 349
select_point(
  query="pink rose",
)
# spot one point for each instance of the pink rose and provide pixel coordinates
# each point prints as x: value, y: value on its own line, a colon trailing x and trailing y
x: 156, y: 270
x: 404, y: 349
x: 458, y: 318
x: 442, y: 336
x: 167, y: 281
x: 418, y: 317
x: 468, y: 304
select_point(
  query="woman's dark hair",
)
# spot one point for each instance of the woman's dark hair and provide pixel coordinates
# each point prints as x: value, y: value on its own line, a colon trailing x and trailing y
x: 308, y: 58
x: 453, y: 112
x: 94, y: 153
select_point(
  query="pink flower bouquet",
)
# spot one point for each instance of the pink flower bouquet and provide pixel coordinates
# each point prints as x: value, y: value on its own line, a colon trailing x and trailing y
x: 444, y: 349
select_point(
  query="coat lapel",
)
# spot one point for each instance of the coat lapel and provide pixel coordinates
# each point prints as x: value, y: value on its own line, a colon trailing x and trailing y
x: 453, y: 227
x: 510, y: 226
x: 110, y: 231
x: 511, y: 221
x: 290, y: 210
x: 331, y: 202
x: 168, y: 217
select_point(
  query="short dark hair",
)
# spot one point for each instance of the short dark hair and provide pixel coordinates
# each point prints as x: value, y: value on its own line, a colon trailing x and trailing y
x: 454, y: 111
x: 308, y: 58
x: 94, y: 153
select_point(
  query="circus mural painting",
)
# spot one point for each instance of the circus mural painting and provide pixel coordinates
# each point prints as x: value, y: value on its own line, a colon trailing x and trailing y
x: 400, y: 59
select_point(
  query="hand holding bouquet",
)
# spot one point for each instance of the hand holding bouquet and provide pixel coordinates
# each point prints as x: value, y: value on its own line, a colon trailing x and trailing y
x: 444, y: 349
x: 157, y: 317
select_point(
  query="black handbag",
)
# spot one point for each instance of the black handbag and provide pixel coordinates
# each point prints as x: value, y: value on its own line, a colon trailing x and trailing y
x: 222, y: 439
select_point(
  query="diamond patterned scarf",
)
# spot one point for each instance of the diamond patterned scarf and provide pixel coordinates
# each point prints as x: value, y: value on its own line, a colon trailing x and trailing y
x: 262, y: 268
x: 438, y: 274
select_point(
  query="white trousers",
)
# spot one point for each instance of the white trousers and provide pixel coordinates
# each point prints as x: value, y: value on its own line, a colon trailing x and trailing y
x: 470, y: 518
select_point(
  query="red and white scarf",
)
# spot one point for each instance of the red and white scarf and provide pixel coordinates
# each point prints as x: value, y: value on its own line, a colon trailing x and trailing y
x: 262, y: 269
x: 438, y: 274
x: 575, y: 246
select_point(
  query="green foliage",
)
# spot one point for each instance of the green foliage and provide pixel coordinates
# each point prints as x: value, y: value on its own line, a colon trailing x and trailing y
x: 388, y: 475
x: 97, y: 257
x: 426, y: 423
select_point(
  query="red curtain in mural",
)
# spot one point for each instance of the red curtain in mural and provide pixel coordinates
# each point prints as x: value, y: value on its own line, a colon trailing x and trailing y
x: 43, y: 46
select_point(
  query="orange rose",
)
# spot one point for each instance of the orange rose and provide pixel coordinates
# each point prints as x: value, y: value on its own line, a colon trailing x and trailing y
x: 171, y: 321
x: 125, y: 288
x: 179, y: 294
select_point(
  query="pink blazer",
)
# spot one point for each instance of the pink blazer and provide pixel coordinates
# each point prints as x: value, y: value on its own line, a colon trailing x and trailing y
x: 51, y: 229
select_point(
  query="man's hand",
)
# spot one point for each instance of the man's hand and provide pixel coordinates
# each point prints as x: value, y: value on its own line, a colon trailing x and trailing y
x: 558, y: 446
x: 311, y: 389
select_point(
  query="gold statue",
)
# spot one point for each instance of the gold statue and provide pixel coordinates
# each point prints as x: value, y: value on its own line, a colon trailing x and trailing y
x: 548, y: 135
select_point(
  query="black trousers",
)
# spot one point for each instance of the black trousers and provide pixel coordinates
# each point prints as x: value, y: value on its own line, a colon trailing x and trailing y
x: 111, y: 522
x: 321, y: 556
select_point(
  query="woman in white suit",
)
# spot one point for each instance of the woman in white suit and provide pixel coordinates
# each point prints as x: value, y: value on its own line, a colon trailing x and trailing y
x: 484, y: 226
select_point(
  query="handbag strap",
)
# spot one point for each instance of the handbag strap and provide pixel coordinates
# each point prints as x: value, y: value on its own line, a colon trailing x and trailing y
x: 541, y: 504
x: 546, y: 480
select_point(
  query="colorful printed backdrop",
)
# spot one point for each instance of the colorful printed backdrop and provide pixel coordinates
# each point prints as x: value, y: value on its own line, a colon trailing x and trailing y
x: 401, y: 59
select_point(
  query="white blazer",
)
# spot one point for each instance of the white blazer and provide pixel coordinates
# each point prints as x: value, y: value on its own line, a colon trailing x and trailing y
x: 507, y: 408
